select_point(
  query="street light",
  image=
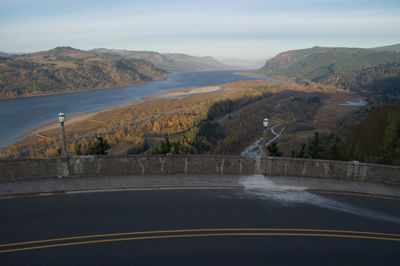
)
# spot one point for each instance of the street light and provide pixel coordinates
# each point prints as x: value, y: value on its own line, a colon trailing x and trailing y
x: 61, y: 118
x: 265, y: 123
x: 264, y: 149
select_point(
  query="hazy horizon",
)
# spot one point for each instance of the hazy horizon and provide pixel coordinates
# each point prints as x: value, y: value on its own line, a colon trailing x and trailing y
x: 252, y: 30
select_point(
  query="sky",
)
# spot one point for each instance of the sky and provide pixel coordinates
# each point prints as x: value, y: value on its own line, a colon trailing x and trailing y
x: 245, y: 29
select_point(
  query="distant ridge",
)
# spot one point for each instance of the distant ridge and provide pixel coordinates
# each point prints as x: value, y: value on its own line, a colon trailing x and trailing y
x: 171, y: 62
x: 5, y: 54
x: 243, y: 64
x: 66, y: 69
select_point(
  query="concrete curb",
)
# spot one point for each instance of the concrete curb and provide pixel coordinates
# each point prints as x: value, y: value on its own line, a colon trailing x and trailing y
x: 47, y: 187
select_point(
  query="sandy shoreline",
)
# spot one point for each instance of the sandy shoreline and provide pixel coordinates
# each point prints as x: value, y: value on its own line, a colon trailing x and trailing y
x: 184, y: 92
x: 69, y: 120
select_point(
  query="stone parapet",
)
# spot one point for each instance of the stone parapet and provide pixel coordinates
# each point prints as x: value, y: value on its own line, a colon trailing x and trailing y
x: 135, y: 165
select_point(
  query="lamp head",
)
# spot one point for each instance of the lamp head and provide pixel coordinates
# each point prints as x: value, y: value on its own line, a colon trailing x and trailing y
x: 265, y: 123
x: 61, y: 117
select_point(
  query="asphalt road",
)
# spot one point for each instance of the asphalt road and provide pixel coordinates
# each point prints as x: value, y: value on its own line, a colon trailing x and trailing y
x: 200, y: 227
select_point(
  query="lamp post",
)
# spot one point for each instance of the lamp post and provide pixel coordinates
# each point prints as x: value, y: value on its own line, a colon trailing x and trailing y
x: 61, y: 118
x: 264, y: 149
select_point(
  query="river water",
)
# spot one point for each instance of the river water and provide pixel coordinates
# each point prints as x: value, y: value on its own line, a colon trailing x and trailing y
x: 21, y: 115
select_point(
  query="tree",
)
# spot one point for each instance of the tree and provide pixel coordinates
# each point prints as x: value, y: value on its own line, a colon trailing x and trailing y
x: 315, y: 148
x: 165, y: 146
x: 334, y: 153
x: 99, y: 146
x: 301, y: 153
x: 273, y: 150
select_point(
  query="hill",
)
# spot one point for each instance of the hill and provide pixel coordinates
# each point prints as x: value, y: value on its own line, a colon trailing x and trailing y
x: 374, y: 71
x: 395, y: 48
x: 5, y: 54
x: 65, y: 69
x: 171, y: 62
x: 377, y: 138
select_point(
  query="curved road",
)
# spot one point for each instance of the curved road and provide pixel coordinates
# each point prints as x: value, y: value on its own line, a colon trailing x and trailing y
x: 255, y: 149
x: 200, y: 227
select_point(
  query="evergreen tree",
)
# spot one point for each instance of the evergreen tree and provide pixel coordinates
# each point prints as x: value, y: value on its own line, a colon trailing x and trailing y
x: 302, y: 152
x: 99, y: 146
x: 165, y: 146
x: 315, y: 148
x: 334, y: 153
x: 273, y: 150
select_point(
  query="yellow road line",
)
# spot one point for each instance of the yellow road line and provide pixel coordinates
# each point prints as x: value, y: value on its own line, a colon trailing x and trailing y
x: 197, y: 235
x: 196, y: 230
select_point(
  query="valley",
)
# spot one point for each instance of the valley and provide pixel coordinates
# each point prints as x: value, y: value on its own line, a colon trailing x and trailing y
x: 41, y: 110
x: 200, y: 132
x: 307, y: 112
x: 65, y: 70
x: 197, y: 123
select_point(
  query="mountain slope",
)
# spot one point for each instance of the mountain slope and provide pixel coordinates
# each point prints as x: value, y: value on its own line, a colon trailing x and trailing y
x: 321, y: 64
x: 360, y: 70
x: 170, y: 62
x: 66, y: 69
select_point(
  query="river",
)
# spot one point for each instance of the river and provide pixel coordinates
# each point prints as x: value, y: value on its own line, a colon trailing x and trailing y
x: 21, y: 115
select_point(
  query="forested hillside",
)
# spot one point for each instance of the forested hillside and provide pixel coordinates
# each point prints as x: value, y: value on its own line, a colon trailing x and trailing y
x: 171, y: 62
x: 375, y: 71
x: 65, y: 69
x: 377, y: 138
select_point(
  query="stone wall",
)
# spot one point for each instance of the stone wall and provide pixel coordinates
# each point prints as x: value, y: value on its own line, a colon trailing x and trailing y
x: 20, y: 169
